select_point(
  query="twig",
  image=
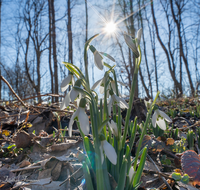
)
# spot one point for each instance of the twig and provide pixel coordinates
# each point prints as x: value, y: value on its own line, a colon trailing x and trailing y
x: 194, y: 125
x: 27, y: 168
x: 70, y: 176
x: 3, y: 79
x: 164, y: 180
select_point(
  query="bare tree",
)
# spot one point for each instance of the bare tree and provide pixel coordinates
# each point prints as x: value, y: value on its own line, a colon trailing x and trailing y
x: 50, y: 48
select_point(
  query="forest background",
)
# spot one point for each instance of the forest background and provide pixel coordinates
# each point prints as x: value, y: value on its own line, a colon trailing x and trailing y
x: 37, y: 35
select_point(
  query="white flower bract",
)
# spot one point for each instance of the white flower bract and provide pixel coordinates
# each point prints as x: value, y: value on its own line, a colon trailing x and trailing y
x: 83, y: 120
x: 159, y: 118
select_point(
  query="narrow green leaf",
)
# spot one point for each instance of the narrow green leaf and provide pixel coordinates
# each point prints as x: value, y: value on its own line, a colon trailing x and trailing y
x: 103, y: 124
x: 122, y: 175
x: 140, y: 167
x: 90, y: 151
x: 87, y: 176
x: 133, y: 133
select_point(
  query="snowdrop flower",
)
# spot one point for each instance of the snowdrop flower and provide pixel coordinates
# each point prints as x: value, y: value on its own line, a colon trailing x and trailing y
x: 132, y: 43
x: 108, y: 150
x: 116, y: 100
x: 101, y: 83
x: 82, y: 118
x: 66, y: 81
x: 131, y: 173
x: 98, y: 59
x: 113, y: 127
x: 139, y: 34
x: 71, y: 96
x: 148, y: 103
x: 159, y: 118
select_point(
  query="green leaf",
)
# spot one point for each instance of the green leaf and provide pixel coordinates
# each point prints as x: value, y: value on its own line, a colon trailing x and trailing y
x: 87, y: 176
x: 185, y: 179
x: 103, y: 124
x: 122, y: 176
x: 140, y: 167
x: 90, y: 151
x: 176, y: 176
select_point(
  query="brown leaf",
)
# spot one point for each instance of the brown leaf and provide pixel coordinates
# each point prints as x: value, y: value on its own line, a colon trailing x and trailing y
x: 23, y: 140
x: 190, y: 163
x: 170, y: 141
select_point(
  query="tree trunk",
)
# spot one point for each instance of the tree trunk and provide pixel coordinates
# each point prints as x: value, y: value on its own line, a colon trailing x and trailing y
x: 50, y: 31
x: 182, y: 54
x: 172, y: 72
x: 132, y: 30
x: 54, y: 50
x: 0, y: 47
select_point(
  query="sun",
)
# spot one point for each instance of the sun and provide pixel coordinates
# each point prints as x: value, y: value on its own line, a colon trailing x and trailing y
x: 110, y: 27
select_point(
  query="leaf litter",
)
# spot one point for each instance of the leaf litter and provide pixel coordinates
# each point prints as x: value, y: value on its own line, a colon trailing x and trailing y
x: 37, y: 153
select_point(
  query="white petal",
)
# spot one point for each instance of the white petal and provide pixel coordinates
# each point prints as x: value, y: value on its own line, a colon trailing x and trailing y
x: 108, y: 56
x: 84, y: 121
x: 113, y: 127
x: 98, y: 60
x: 139, y: 34
x: 65, y: 102
x: 73, y: 94
x: 96, y: 84
x: 78, y: 99
x: 130, y: 44
x: 65, y: 82
x: 109, y: 106
x: 131, y: 172
x: 101, y: 89
x: 161, y: 123
x: 165, y: 116
x: 121, y: 83
x: 113, y: 86
x: 72, y: 121
x: 121, y: 102
x: 154, y: 118
x: 110, y: 152
x: 73, y: 81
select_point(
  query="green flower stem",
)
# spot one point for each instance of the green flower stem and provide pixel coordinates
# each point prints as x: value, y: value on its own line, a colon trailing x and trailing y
x: 105, y: 108
x: 137, y: 65
x: 119, y: 110
x: 85, y: 56
x: 97, y: 144
x: 130, y: 105
x: 144, y: 130
x: 133, y: 133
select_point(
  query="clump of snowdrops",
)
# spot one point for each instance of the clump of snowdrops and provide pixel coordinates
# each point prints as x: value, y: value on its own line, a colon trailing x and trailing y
x: 108, y: 154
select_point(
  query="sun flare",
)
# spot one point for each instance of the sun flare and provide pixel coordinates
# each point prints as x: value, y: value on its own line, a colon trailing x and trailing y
x: 110, y: 27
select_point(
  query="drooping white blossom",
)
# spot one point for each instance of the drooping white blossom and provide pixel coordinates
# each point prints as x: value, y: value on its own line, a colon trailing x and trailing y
x: 113, y: 127
x: 82, y: 118
x: 109, y: 152
x: 159, y: 118
x: 116, y: 100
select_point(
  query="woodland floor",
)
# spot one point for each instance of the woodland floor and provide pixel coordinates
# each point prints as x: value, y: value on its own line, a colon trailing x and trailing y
x: 37, y: 153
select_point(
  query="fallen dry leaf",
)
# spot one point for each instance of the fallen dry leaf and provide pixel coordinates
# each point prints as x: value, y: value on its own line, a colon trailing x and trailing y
x: 190, y: 163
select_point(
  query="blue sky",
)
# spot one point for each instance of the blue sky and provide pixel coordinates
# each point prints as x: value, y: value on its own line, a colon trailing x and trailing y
x: 96, y: 10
